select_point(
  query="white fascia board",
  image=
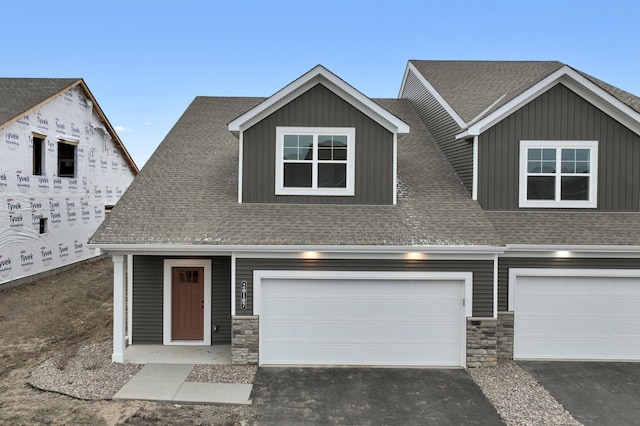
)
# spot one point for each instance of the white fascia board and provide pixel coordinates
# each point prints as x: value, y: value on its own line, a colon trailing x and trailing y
x: 364, y: 104
x: 410, y: 67
x: 524, y: 250
x: 539, y: 88
x: 298, y: 250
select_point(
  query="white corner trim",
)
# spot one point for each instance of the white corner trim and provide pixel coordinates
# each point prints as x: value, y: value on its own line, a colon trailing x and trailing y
x: 130, y: 298
x: 395, y: 169
x: 495, y: 287
x: 166, y: 301
x: 240, y: 161
x: 466, y: 277
x: 364, y: 104
x: 474, y: 190
x: 233, y: 284
x: 540, y: 87
x: 456, y: 117
x: 515, y: 273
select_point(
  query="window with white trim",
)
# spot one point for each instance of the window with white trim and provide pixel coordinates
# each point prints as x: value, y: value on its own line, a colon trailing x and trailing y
x: 558, y: 174
x: 315, y: 161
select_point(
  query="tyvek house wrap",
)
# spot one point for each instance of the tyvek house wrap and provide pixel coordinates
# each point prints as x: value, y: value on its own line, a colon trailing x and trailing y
x: 74, y: 207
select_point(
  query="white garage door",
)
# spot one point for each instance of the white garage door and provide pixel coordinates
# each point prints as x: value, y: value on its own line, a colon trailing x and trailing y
x: 596, y: 318
x: 362, y: 322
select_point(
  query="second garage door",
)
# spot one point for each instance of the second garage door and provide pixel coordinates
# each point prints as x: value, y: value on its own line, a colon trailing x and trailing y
x: 577, y: 317
x: 362, y: 322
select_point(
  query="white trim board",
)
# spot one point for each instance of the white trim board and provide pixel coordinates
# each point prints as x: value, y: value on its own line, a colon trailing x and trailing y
x: 573, y: 80
x: 514, y: 273
x: 166, y: 301
x: 319, y: 74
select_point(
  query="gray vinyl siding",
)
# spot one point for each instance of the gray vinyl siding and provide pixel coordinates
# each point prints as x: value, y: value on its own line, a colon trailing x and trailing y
x: 559, y: 114
x: 148, y: 275
x: 505, y: 263
x: 482, y: 274
x: 319, y: 107
x: 442, y: 127
x: 147, y: 299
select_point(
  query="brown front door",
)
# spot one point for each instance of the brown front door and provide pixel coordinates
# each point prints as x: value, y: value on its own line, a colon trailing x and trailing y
x: 187, y: 303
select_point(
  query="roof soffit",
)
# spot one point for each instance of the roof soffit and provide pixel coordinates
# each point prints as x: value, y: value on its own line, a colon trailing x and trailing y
x: 319, y: 75
x: 573, y: 80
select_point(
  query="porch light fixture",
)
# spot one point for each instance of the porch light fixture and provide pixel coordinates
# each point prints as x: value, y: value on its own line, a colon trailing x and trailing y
x: 311, y: 255
x: 563, y: 253
x: 416, y: 255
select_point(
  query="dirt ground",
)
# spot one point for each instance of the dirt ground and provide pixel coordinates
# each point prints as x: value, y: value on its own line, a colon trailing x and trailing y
x: 74, y: 308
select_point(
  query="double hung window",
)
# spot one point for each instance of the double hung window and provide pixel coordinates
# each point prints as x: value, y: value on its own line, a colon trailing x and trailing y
x: 558, y: 174
x: 314, y: 161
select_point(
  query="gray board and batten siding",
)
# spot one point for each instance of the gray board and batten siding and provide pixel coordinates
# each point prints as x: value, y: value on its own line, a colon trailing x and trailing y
x: 319, y: 107
x: 442, y: 127
x: 506, y: 263
x: 559, y: 114
x: 482, y: 274
x: 148, y: 275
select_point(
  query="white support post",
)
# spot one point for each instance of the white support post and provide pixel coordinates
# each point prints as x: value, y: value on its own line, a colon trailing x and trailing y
x: 119, y: 304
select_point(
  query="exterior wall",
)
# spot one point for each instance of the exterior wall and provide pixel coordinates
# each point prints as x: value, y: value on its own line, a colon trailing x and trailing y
x: 504, y: 335
x: 73, y: 207
x: 442, y: 127
x: 148, y: 276
x: 246, y: 340
x: 482, y: 274
x: 559, y: 114
x: 319, y: 107
x: 505, y: 263
x: 481, y: 342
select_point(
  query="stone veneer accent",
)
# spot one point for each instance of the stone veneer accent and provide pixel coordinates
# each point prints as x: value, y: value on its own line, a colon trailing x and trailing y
x: 504, y: 334
x: 481, y: 342
x: 244, y: 340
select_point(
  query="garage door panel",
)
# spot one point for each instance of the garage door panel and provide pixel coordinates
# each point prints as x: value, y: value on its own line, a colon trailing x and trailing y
x: 361, y: 322
x: 569, y: 317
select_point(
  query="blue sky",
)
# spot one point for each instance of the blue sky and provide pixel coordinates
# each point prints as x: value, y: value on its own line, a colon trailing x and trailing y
x: 145, y: 61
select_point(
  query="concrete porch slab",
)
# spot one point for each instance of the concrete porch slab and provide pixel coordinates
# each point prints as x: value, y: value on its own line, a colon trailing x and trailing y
x: 159, y: 354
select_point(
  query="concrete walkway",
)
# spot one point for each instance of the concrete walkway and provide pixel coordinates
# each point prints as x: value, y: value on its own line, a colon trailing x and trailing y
x: 166, y: 383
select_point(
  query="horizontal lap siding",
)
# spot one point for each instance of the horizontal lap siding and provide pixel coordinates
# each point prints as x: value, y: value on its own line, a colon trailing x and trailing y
x: 504, y: 264
x: 147, y: 299
x: 319, y: 107
x: 442, y: 127
x: 148, y: 276
x: 221, y: 299
x: 559, y: 114
x: 482, y: 274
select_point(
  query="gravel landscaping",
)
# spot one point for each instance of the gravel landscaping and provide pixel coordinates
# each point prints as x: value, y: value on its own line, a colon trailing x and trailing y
x: 518, y: 397
x: 89, y: 374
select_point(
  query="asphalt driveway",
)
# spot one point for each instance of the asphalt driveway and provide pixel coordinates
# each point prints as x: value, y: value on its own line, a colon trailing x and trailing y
x: 369, y: 396
x: 595, y: 393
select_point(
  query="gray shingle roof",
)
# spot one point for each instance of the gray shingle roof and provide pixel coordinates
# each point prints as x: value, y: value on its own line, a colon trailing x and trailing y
x: 567, y: 227
x: 470, y: 87
x: 18, y: 95
x: 474, y: 89
x: 187, y: 194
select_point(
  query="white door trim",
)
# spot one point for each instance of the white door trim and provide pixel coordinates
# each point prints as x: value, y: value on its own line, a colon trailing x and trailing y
x: 466, y: 277
x: 514, y: 273
x: 166, y: 301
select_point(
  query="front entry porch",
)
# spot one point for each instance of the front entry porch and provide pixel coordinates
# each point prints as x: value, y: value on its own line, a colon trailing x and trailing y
x: 160, y: 354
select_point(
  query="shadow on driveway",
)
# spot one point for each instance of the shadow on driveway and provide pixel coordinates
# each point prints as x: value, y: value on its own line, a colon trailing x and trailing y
x: 369, y: 396
x: 595, y: 393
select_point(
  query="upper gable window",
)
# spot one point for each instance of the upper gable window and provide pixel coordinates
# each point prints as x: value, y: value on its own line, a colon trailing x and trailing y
x: 66, y: 158
x: 558, y: 174
x: 315, y: 161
